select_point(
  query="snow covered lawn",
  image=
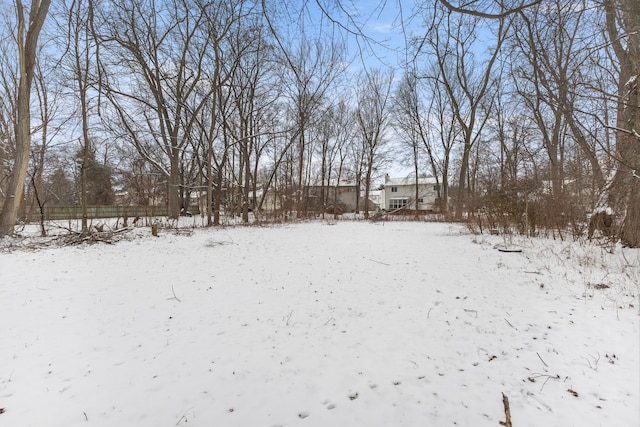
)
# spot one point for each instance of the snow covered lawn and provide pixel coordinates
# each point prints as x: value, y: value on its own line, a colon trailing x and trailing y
x: 318, y: 324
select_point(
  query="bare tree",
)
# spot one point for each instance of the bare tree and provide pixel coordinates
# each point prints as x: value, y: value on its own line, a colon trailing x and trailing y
x: 414, y: 122
x: 47, y: 107
x: 161, y: 48
x: 27, y: 38
x: 466, y: 81
x: 622, y: 24
x: 224, y: 60
x: 512, y: 128
x: 9, y: 71
x: 373, y: 117
x: 253, y: 96
x: 554, y: 48
x: 438, y: 130
x: 78, y: 65
x: 334, y: 132
x: 311, y: 66
x: 622, y: 20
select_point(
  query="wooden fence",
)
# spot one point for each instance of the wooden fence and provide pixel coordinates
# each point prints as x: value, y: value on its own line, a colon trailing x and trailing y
x: 93, y: 212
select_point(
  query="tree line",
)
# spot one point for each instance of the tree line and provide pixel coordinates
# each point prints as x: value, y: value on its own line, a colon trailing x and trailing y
x: 527, y: 113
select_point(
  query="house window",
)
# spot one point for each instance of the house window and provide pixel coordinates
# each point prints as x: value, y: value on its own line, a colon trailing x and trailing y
x: 420, y: 200
x: 394, y: 189
x: 436, y: 187
x: 397, y: 203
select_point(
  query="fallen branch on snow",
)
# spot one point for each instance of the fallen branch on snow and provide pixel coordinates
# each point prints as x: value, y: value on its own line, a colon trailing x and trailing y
x: 507, y: 412
x: 510, y: 250
x: 510, y: 324
x: 174, y: 295
x: 543, y: 362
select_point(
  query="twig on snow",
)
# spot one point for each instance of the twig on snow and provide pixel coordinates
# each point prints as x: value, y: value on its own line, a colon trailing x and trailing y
x: 507, y: 412
x: 184, y: 417
x: 596, y: 360
x: 505, y: 319
x: 471, y: 311
x: 547, y: 378
x: 379, y: 262
x: 543, y: 362
x: 288, y: 317
x: 174, y: 295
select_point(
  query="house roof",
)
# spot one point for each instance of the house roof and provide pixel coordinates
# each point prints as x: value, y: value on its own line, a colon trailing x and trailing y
x: 409, y: 181
x: 344, y: 182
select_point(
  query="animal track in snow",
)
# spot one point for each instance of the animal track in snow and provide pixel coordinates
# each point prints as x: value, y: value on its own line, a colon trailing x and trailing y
x: 328, y: 404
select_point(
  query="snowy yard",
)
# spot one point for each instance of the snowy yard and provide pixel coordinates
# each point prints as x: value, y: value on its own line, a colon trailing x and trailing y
x: 318, y: 324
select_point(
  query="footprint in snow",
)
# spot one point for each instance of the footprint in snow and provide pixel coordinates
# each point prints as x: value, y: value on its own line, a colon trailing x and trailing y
x: 303, y: 414
x: 328, y: 404
x: 353, y: 396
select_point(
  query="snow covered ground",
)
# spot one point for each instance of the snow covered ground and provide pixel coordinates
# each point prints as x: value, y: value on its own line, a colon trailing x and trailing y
x: 320, y: 324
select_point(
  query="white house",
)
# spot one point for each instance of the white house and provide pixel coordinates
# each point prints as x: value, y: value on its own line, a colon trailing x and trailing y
x: 400, y: 193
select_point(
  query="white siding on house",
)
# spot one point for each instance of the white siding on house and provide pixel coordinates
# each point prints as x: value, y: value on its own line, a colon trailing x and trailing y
x: 401, y: 193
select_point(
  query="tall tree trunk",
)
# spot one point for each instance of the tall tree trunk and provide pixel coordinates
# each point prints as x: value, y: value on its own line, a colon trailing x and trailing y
x: 367, y: 187
x: 301, y: 149
x: 323, y: 176
x: 173, y: 185
x: 86, y: 142
x: 246, y: 187
x: 626, y: 188
x: 209, y: 181
x: 27, y: 39
x: 417, y: 175
x: 461, y: 200
x: 218, y: 190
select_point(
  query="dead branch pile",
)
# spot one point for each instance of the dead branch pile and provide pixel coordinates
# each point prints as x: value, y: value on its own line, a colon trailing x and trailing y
x: 91, y: 237
x: 69, y: 238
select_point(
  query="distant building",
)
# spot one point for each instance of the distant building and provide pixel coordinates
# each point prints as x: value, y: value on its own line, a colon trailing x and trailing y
x: 343, y: 196
x: 339, y: 199
x: 375, y: 197
x: 400, y: 193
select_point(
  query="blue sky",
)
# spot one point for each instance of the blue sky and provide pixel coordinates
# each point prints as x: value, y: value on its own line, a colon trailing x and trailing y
x: 379, y: 21
x: 381, y: 46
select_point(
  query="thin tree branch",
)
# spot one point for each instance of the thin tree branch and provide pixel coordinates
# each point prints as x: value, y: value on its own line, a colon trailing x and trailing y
x: 488, y: 15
